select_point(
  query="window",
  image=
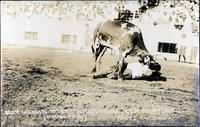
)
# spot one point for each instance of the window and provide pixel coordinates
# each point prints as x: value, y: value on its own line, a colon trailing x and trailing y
x: 74, y: 38
x: 69, y: 38
x: 30, y: 35
x: 66, y: 38
x: 167, y: 47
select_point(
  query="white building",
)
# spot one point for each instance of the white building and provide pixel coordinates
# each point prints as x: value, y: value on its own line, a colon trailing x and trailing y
x: 44, y: 32
x: 76, y: 34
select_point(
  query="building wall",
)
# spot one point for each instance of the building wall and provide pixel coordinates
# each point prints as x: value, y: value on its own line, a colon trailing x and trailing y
x: 12, y: 30
x: 50, y: 32
x: 166, y: 33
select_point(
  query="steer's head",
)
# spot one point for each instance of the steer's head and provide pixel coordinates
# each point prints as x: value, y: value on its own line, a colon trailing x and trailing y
x: 145, y: 58
x: 149, y: 60
x: 155, y: 66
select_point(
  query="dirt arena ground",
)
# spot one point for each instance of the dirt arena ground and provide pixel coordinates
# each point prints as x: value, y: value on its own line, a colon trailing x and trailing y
x: 49, y: 87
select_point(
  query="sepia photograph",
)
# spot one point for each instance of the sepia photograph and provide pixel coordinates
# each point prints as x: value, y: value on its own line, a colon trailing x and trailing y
x: 100, y: 63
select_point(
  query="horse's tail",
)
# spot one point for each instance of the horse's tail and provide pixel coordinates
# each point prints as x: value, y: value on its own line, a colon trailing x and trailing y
x: 94, y: 37
x: 140, y: 42
x: 96, y: 31
x: 92, y: 49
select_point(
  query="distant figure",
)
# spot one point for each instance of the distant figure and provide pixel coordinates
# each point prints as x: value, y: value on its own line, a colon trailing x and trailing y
x: 182, y: 48
x: 124, y: 14
x: 193, y: 54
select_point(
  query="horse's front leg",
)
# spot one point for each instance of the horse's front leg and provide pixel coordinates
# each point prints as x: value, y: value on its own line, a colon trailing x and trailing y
x: 100, y: 56
x: 121, y: 63
x: 95, y: 57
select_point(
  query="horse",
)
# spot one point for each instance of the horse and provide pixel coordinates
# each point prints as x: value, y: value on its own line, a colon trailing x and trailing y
x: 122, y: 36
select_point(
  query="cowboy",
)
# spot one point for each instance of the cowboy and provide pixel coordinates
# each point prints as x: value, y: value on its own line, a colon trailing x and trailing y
x: 144, y: 67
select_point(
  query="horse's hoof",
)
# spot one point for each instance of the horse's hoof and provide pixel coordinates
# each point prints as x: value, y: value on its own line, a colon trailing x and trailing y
x: 120, y: 79
x: 94, y: 77
x: 93, y: 70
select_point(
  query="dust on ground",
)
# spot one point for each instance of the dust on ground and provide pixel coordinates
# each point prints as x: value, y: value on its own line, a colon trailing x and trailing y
x: 47, y: 87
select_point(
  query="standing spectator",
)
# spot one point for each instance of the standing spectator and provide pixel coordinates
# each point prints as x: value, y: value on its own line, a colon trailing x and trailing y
x: 193, y: 52
x: 121, y: 11
x: 181, y: 46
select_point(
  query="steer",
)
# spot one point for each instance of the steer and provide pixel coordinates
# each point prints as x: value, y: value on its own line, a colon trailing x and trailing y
x: 122, y: 36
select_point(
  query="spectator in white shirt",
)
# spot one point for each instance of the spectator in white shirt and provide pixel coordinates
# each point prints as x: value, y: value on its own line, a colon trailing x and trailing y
x: 181, y: 46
